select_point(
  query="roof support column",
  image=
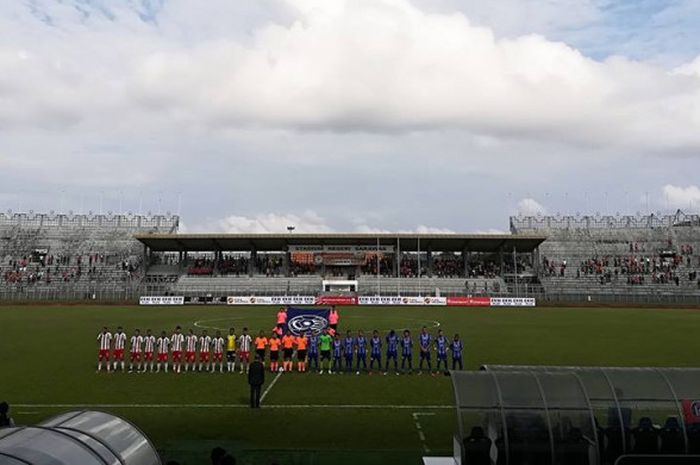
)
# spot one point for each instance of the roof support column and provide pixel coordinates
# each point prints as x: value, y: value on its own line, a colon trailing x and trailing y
x: 252, y: 262
x: 466, y: 255
x: 429, y: 259
x: 397, y: 258
x: 285, y: 261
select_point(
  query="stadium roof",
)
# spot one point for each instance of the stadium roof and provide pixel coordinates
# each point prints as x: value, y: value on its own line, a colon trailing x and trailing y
x: 276, y: 242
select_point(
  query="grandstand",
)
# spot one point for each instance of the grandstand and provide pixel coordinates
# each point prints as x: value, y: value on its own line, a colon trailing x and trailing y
x: 220, y: 265
x: 620, y: 258
x: 623, y: 259
x: 56, y: 256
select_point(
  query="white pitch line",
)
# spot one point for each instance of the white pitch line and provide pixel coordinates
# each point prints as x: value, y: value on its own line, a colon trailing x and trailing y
x: 223, y: 406
x: 266, y: 391
x: 419, y: 427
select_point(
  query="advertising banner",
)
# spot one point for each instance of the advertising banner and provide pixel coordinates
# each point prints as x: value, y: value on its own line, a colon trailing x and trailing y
x: 336, y: 300
x: 469, y: 301
x: 423, y: 301
x: 162, y: 300
x: 270, y: 300
x: 398, y: 300
x: 512, y: 301
x: 380, y: 300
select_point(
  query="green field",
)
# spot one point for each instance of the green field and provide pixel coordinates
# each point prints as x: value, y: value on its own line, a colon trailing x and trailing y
x: 48, y: 355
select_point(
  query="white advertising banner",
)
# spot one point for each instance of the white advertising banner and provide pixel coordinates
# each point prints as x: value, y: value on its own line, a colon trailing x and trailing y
x: 162, y: 300
x: 512, y: 301
x: 270, y: 300
x: 380, y: 300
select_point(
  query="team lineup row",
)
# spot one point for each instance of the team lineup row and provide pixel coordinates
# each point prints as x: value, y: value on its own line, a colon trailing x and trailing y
x: 325, y: 352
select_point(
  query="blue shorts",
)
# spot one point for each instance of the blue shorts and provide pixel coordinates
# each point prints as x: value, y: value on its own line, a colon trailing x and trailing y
x: 425, y: 355
x: 391, y: 354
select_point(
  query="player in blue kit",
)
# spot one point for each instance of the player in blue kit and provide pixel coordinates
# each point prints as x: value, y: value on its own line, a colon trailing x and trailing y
x: 312, y: 350
x: 375, y: 355
x: 348, y: 350
x: 407, y: 351
x: 441, y: 345
x: 361, y: 347
x: 337, y: 353
x: 392, y: 349
x: 457, y: 348
x: 424, y: 340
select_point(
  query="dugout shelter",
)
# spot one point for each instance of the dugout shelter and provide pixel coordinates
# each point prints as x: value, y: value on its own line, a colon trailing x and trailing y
x: 84, y: 437
x: 516, y: 415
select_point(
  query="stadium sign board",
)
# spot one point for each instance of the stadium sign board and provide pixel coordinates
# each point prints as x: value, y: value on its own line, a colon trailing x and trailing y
x: 399, y: 300
x: 382, y: 300
x: 467, y: 301
x: 162, y: 300
x: 270, y: 300
x: 512, y: 301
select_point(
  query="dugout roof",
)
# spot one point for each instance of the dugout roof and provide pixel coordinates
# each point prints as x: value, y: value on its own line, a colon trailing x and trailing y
x: 278, y: 242
x: 84, y: 437
x: 576, y: 415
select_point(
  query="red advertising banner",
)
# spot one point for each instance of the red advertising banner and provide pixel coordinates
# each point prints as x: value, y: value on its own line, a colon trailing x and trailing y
x: 336, y: 300
x: 469, y: 301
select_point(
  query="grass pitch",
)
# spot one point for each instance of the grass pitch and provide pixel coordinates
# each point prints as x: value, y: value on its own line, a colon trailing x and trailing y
x: 48, y: 355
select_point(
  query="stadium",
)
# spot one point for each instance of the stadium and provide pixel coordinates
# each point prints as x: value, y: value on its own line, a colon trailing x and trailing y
x: 349, y: 232
x: 555, y: 292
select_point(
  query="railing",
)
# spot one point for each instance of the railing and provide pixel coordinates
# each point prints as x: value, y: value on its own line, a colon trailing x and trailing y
x: 52, y: 220
x: 524, y: 223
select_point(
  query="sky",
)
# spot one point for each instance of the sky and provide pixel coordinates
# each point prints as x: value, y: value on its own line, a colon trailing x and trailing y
x: 350, y: 115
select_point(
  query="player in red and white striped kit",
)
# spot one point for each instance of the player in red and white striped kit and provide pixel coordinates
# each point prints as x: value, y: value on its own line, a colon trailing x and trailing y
x: 149, y: 345
x: 135, y: 352
x: 177, y: 341
x: 218, y: 345
x: 204, y: 348
x: 105, y: 341
x: 163, y: 344
x: 191, y: 350
x: 119, y: 345
x: 244, y: 343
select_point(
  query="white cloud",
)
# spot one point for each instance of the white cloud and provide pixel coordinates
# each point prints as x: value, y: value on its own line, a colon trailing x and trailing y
x: 307, y: 222
x: 530, y: 207
x: 681, y: 197
x: 407, y: 69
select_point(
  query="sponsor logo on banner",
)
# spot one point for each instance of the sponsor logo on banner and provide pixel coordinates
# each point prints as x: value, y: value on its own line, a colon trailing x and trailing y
x: 378, y: 300
x: 304, y: 320
x: 423, y: 301
x: 469, y: 301
x: 270, y: 300
x: 162, y: 300
x: 512, y: 301
x: 336, y: 300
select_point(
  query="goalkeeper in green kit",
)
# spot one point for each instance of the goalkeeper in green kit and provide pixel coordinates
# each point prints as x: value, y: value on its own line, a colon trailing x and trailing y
x: 325, y: 341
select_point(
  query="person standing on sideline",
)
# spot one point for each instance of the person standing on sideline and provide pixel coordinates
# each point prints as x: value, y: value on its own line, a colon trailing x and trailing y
x: 256, y: 378
x: 333, y: 319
